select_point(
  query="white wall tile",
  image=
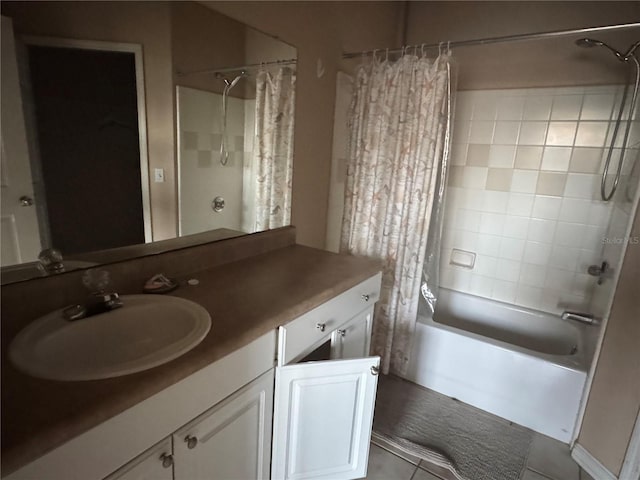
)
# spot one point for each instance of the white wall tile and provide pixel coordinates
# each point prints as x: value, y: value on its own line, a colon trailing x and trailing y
x: 561, y: 133
x: 546, y: 207
x: 510, y: 108
x: 559, y: 279
x: 581, y: 185
x: 508, y: 270
x: 532, y: 250
x: 537, y: 253
x: 524, y: 181
x: 575, y: 210
x: 541, y: 230
x: 495, y: 202
x: 537, y: 107
x: 488, y: 244
x: 474, y: 177
x: 502, y: 156
x: 591, y: 134
x: 532, y: 133
x: 556, y: 159
x: 481, y: 132
x: 516, y: 227
x: 481, y: 285
x: 528, y: 296
x: 533, y: 275
x: 512, y: 248
x: 520, y: 204
x: 597, y: 107
x: 506, y: 133
x: 491, y: 223
x: 566, y: 107
x: 564, y: 257
x: 569, y: 234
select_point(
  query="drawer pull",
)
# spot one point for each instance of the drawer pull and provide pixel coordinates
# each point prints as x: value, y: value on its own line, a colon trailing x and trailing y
x: 191, y: 441
x: 375, y: 370
x: 366, y: 297
x: 321, y: 326
x: 342, y: 332
x: 167, y: 460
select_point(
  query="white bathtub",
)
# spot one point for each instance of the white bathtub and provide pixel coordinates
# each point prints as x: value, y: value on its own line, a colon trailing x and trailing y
x: 525, y: 366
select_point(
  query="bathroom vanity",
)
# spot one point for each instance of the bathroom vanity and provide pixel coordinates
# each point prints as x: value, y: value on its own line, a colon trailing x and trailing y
x: 281, y: 387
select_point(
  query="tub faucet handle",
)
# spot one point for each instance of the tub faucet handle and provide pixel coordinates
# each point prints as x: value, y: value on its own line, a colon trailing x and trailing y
x: 587, y: 318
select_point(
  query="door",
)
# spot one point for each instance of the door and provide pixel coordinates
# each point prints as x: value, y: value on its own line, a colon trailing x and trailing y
x: 231, y: 441
x: 20, y: 235
x: 154, y: 464
x: 322, y: 419
x: 353, y: 339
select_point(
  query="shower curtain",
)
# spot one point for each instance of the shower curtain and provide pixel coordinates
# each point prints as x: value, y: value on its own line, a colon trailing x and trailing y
x: 398, y: 144
x: 273, y: 161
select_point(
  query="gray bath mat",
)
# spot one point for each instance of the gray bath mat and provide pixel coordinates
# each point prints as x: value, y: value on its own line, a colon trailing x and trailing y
x: 478, y: 445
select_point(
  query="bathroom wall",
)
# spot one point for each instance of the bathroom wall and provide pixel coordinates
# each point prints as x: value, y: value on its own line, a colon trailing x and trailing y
x: 614, y: 400
x: 550, y: 62
x: 523, y: 193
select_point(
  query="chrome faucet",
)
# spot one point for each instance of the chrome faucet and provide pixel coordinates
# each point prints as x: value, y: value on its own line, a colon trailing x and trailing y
x: 50, y: 262
x: 580, y: 317
x: 99, y: 300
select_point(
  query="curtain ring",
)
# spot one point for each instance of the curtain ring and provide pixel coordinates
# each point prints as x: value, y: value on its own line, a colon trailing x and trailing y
x: 386, y: 55
x: 448, y: 47
x: 422, y: 51
x: 440, y: 48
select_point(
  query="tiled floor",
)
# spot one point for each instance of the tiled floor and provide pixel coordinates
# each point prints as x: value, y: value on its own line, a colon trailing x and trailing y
x: 547, y: 459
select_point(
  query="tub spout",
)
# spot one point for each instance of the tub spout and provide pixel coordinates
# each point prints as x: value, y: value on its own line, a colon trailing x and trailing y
x: 580, y: 317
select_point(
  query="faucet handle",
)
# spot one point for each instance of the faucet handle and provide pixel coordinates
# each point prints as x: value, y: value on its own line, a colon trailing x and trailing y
x: 96, y: 280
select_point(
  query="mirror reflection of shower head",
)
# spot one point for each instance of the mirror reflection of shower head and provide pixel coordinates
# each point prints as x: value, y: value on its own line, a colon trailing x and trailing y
x: 590, y: 42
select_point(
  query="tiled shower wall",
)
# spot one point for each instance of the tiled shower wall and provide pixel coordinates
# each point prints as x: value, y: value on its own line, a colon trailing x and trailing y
x: 523, y: 193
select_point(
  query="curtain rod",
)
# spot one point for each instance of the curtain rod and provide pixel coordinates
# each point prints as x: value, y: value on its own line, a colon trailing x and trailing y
x: 489, y: 40
x: 289, y: 61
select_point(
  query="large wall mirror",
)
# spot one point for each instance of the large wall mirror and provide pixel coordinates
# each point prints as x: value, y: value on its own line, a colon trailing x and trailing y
x: 126, y: 124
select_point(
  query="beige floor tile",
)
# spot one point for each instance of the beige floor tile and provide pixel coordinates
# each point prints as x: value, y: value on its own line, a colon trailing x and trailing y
x: 552, y: 459
x: 384, y: 465
x: 423, y: 475
x: 531, y: 475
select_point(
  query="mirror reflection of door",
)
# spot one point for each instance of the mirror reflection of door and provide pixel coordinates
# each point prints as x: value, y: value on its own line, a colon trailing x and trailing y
x: 20, y: 237
x: 87, y: 129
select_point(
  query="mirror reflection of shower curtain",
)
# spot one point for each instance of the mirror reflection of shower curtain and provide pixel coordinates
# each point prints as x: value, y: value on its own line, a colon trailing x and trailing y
x: 273, y: 147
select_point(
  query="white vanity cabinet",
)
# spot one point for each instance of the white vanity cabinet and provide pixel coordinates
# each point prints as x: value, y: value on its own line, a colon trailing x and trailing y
x: 154, y: 464
x: 323, y: 409
x: 230, y: 441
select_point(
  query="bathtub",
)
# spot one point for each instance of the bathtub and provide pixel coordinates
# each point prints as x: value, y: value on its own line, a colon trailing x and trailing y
x: 526, y: 366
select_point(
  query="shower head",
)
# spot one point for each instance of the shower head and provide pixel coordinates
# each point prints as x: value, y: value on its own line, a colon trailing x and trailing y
x: 232, y: 83
x: 589, y: 42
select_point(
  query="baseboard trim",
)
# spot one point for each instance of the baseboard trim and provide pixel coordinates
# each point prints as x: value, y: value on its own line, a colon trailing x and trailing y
x: 589, y: 463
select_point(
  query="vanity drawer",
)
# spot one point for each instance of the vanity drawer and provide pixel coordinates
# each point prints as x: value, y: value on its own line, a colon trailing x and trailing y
x: 308, y: 331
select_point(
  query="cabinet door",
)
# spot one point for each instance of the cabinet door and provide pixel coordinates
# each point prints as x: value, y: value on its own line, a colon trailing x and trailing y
x: 353, y: 339
x: 230, y: 441
x: 322, y: 419
x: 154, y: 464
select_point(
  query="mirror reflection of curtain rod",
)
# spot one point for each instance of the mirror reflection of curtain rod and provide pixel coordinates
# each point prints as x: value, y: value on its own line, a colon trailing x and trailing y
x: 484, y: 41
x: 291, y: 61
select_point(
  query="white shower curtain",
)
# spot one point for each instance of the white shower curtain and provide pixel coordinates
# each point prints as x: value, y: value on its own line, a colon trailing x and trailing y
x: 273, y: 147
x: 398, y: 122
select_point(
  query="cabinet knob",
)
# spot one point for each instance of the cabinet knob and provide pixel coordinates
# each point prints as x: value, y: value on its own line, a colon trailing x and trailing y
x: 191, y: 441
x: 375, y: 370
x: 167, y: 460
x: 366, y: 297
x: 321, y: 326
x: 342, y: 332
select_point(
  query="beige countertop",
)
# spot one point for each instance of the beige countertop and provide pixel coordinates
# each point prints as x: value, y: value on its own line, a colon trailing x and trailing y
x: 245, y: 299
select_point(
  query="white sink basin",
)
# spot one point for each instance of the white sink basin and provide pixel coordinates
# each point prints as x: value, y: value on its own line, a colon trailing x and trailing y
x: 147, y: 331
